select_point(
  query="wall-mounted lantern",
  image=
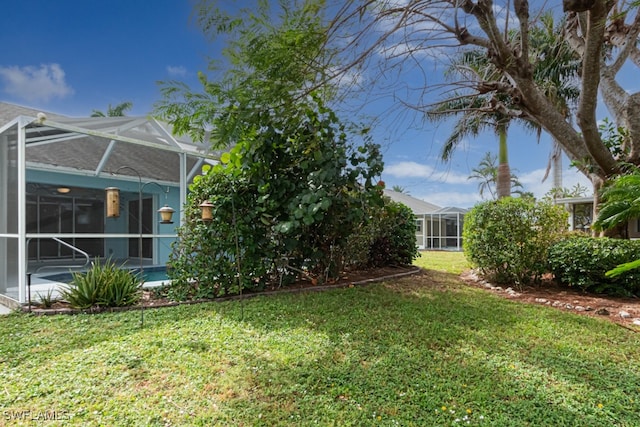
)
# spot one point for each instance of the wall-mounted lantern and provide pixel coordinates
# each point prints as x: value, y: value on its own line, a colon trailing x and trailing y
x: 166, y: 212
x: 113, y: 202
x: 207, y: 210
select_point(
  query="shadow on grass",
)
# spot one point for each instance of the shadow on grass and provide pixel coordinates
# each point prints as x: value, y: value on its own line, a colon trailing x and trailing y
x: 408, y: 348
x: 397, y: 352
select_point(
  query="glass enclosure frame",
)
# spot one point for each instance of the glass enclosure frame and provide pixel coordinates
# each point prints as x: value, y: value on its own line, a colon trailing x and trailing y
x: 80, y: 227
x: 440, y: 231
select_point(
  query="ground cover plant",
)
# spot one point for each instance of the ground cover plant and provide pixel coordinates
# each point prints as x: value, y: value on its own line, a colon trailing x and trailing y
x: 423, y: 350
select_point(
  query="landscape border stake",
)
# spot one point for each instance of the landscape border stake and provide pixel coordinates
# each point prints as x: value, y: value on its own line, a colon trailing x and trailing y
x: 29, y: 290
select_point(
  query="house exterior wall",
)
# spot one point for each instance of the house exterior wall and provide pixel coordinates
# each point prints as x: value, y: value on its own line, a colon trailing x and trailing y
x: 39, y: 156
x: 117, y: 248
x: 580, y: 216
x: 633, y: 228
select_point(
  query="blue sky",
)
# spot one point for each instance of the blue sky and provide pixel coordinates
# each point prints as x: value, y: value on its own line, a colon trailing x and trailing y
x: 71, y: 57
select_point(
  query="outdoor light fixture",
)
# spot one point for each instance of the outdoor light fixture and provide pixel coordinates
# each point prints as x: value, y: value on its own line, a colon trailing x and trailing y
x: 113, y: 202
x: 63, y: 190
x: 166, y: 212
x: 207, y: 210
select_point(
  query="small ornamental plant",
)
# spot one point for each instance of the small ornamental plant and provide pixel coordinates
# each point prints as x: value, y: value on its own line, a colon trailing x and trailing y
x: 103, y: 285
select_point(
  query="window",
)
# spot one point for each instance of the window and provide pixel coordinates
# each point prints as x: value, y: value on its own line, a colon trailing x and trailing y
x: 582, y: 216
x: 64, y: 214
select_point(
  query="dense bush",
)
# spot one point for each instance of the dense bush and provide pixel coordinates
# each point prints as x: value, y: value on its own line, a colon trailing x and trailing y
x: 103, y: 285
x: 387, y: 238
x: 394, y: 241
x: 285, y: 202
x: 582, y: 261
x: 508, y: 239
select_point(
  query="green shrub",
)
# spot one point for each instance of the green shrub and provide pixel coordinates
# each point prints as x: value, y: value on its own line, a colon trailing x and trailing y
x: 47, y: 299
x: 394, y: 241
x: 286, y: 198
x: 105, y: 285
x: 387, y: 238
x: 582, y: 261
x: 508, y: 240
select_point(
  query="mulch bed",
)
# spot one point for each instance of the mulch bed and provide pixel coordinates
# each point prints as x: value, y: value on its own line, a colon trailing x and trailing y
x: 149, y: 300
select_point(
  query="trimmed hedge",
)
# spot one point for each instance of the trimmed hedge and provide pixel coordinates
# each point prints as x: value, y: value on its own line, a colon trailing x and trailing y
x: 582, y: 261
x: 508, y: 239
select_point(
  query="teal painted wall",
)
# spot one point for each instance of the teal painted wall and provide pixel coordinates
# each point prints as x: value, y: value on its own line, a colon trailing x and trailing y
x: 118, y: 248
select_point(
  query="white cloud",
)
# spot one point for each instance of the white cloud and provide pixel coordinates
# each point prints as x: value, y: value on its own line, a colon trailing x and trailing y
x: 452, y: 198
x: 35, y: 84
x: 346, y: 78
x: 177, y: 70
x: 409, y: 170
x: 418, y: 170
x: 532, y: 181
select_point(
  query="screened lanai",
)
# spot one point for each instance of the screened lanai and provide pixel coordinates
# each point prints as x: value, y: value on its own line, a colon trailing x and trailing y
x: 53, y: 205
x: 441, y: 229
x: 437, y: 228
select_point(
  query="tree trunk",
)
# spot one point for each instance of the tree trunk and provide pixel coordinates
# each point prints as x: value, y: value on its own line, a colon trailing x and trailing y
x: 503, y: 179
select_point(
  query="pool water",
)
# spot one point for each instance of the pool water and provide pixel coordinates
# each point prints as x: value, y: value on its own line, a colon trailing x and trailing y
x: 151, y: 274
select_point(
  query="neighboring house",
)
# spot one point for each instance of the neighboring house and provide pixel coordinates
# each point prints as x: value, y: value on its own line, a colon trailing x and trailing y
x: 436, y: 227
x: 53, y: 174
x: 580, y: 211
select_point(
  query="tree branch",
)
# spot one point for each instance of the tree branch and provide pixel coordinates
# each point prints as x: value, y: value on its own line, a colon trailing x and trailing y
x: 586, y: 114
x: 522, y: 12
x: 624, y: 36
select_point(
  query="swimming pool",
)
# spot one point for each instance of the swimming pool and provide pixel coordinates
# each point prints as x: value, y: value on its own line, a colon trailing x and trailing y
x: 153, y: 275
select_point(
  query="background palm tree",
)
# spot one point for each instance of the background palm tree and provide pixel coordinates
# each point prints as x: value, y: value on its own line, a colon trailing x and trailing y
x: 555, y: 69
x: 487, y: 173
x: 399, y: 189
x: 117, y: 111
x: 477, y: 112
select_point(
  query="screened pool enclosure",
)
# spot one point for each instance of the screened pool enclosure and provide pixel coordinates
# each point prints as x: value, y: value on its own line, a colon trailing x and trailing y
x: 53, y: 205
x: 437, y: 228
x: 441, y: 229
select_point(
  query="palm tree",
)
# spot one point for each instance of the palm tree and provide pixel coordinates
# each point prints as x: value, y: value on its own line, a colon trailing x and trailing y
x: 117, y: 111
x: 477, y: 112
x: 556, y: 70
x: 487, y: 173
x: 555, y: 66
x: 399, y: 189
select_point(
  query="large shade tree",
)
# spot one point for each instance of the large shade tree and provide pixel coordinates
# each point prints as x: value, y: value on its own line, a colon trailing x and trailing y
x: 555, y: 71
x: 295, y: 182
x: 602, y: 33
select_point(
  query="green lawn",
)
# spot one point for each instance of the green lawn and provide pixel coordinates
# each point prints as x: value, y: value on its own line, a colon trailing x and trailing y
x: 450, y: 262
x: 424, y: 350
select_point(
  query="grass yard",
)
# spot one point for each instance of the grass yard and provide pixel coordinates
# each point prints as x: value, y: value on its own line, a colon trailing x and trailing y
x: 422, y: 351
